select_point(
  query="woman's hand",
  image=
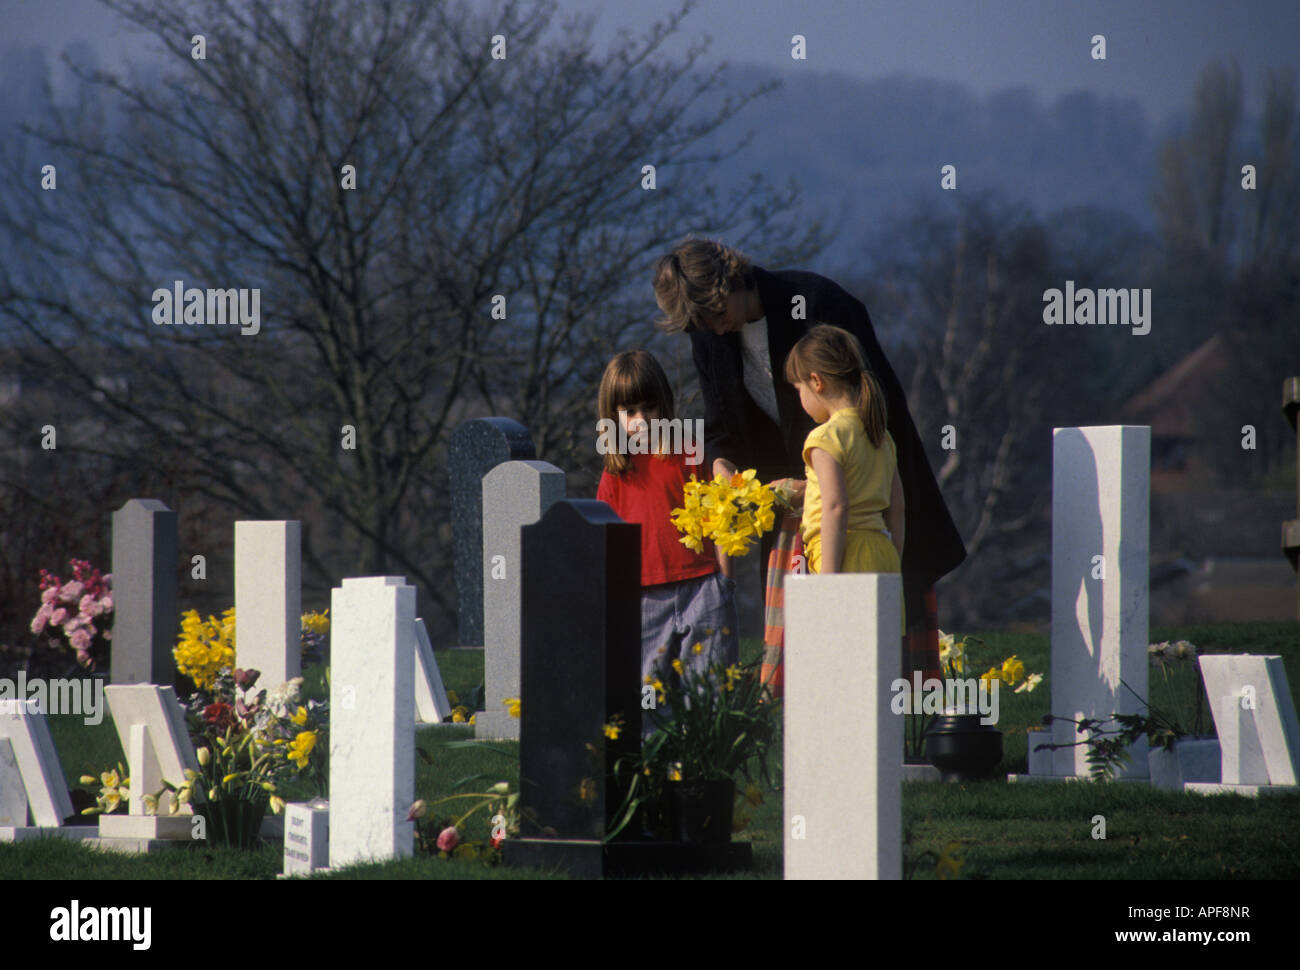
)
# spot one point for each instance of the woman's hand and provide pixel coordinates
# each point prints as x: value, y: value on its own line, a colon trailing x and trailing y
x: 790, y: 492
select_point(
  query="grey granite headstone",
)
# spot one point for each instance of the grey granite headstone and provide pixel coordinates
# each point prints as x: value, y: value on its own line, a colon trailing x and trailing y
x: 477, y: 446
x: 581, y: 649
x: 145, y: 622
x: 515, y: 494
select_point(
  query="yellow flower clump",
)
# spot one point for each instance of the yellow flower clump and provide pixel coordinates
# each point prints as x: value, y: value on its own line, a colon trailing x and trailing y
x: 734, y: 512
x: 316, y: 622
x: 205, y: 647
x: 301, y: 748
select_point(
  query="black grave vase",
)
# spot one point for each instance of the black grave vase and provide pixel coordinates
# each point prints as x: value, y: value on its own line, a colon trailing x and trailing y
x: 962, y: 748
x: 701, y: 810
x: 232, y: 822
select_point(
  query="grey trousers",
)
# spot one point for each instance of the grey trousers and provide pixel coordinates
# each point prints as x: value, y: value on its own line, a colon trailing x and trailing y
x: 677, y: 616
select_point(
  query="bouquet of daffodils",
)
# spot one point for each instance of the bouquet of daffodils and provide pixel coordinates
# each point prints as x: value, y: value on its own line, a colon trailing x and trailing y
x: 733, y: 512
x: 954, y: 654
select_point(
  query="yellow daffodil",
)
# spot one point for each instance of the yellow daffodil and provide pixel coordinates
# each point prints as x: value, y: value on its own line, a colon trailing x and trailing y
x: 110, y: 779
x: 204, y: 756
x: 88, y: 779
x: 732, y: 674
x: 512, y: 706
x: 471, y: 718
x: 277, y: 804
x: 299, y: 717
x: 300, y: 750
x: 1012, y: 670
x: 150, y: 804
x: 229, y: 778
x: 698, y: 648
x: 990, y: 675
x: 316, y: 622
x: 612, y: 731
x: 675, y: 771
x: 677, y: 666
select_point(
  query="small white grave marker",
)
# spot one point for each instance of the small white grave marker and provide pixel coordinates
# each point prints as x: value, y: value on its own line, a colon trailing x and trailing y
x: 1259, y: 737
x: 151, y: 726
x: 306, y: 837
x: 30, y: 774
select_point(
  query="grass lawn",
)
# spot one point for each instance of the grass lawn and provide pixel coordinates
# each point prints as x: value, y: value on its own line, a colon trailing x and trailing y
x: 1005, y: 831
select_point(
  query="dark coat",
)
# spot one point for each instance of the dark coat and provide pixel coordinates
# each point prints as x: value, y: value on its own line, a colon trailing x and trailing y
x: 736, y: 429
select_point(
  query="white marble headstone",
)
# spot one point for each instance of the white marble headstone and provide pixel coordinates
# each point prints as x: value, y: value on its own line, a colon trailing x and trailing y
x: 30, y: 773
x: 1255, y: 718
x: 151, y: 726
x: 372, y: 720
x: 268, y: 599
x: 1100, y: 570
x: 843, y: 779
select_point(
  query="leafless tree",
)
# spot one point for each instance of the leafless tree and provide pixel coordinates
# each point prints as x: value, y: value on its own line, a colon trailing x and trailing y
x: 482, y: 183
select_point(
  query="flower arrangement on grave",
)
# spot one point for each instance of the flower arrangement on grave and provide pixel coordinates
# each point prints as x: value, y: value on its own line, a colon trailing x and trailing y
x: 956, y: 658
x: 732, y: 512
x: 76, y: 613
x: 1108, y: 739
x: 722, y: 725
x: 249, y: 743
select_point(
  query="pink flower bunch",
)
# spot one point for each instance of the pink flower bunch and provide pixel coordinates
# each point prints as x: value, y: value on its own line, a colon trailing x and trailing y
x: 74, y: 606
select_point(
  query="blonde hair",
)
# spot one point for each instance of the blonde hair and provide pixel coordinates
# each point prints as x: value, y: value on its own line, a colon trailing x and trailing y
x: 631, y: 378
x: 834, y: 355
x: 693, y: 281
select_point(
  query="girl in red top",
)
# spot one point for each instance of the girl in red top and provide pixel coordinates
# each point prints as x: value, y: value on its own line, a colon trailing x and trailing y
x: 688, y: 609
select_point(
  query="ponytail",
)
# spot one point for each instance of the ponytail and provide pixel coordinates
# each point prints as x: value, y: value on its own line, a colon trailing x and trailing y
x: 871, y: 407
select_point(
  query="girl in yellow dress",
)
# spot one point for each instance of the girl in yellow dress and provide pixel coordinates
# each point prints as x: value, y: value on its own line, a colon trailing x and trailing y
x: 853, y: 503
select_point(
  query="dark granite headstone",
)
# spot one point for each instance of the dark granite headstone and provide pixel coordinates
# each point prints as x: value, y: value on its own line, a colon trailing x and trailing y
x: 1291, y: 529
x: 477, y: 446
x: 145, y: 622
x: 580, y: 669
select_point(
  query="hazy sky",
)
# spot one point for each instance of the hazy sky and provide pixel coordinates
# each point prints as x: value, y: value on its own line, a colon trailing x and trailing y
x: 1155, y: 48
